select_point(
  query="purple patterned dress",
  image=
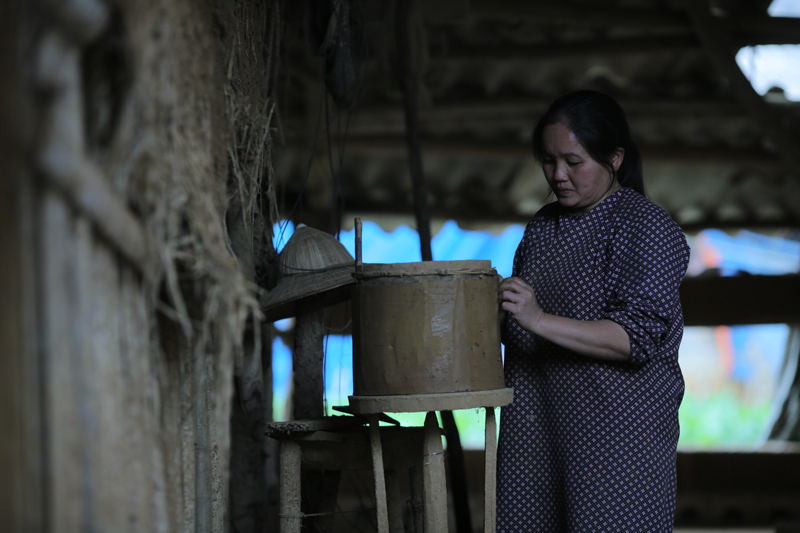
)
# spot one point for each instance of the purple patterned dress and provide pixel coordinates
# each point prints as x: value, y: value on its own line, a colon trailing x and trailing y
x: 589, y: 445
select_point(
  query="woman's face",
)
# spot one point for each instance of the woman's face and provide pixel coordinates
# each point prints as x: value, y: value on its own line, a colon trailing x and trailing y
x: 578, y: 181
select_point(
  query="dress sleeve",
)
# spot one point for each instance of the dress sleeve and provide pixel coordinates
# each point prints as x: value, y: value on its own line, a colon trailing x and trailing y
x: 647, y: 261
x: 516, y: 269
x: 519, y: 255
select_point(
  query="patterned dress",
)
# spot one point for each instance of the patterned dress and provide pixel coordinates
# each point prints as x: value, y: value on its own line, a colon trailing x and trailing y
x: 589, y: 445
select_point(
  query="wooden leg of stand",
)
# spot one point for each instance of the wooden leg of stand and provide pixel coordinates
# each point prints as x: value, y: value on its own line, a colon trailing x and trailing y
x: 490, y: 471
x: 434, y: 486
x: 377, y: 472
x: 395, y: 500
x: 290, y: 512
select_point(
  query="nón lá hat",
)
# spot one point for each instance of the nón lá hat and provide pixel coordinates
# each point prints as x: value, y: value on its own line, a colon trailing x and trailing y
x: 313, y: 268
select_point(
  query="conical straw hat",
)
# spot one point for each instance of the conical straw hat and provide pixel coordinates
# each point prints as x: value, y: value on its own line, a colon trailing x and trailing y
x: 314, y: 267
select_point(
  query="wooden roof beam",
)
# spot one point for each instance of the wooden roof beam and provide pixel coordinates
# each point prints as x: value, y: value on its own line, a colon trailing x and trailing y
x: 759, y: 300
x: 593, y: 48
x: 401, y: 206
x: 753, y: 28
x: 515, y: 114
x: 551, y: 50
x: 515, y: 106
x: 779, y: 127
x: 482, y: 149
x: 762, y: 30
x: 581, y: 15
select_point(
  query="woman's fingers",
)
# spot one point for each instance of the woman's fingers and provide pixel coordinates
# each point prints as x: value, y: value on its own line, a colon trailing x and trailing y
x: 514, y: 283
x: 514, y: 286
x: 510, y: 285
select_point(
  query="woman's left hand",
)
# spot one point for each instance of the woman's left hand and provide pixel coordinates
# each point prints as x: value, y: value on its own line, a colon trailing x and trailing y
x: 518, y: 299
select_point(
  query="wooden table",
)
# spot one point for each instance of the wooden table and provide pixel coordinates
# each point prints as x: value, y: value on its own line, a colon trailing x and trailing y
x: 434, y: 486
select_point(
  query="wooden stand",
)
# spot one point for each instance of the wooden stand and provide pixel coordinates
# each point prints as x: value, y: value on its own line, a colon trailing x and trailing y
x: 342, y: 443
x: 434, y: 488
x: 336, y: 444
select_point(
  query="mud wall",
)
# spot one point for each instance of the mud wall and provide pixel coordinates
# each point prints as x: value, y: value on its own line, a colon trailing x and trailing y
x: 136, y: 143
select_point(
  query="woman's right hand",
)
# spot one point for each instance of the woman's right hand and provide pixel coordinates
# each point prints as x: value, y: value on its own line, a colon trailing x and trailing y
x: 517, y: 298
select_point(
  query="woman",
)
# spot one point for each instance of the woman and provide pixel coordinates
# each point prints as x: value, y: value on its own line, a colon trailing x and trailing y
x: 592, y: 328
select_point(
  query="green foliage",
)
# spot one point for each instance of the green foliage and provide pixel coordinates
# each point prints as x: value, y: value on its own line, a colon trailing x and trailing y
x: 721, y: 420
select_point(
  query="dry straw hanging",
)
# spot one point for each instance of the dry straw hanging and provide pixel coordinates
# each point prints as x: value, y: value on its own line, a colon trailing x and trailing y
x: 314, y: 267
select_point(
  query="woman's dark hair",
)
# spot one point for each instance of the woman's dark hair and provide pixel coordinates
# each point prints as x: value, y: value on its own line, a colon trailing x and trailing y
x: 599, y: 124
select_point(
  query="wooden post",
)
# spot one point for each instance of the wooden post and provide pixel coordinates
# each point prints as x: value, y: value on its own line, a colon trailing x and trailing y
x: 307, y: 364
x: 434, y: 486
x: 291, y: 514
x: 307, y: 400
x: 490, y: 472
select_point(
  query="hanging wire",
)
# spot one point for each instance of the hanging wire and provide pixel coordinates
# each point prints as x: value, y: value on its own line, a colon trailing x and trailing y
x: 287, y: 220
x: 337, y: 170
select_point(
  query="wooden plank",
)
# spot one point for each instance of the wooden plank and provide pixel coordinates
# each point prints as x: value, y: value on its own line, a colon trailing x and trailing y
x: 732, y: 300
x: 72, y: 497
x: 378, y: 474
x: 21, y: 459
x: 490, y: 471
x: 434, y: 485
x: 188, y: 438
x: 326, y: 423
x: 145, y: 475
x: 22, y: 484
x: 418, y: 403
x: 108, y: 452
x: 87, y: 372
x: 169, y: 354
x: 35, y: 462
x: 61, y: 158
x: 753, y: 472
x: 202, y: 388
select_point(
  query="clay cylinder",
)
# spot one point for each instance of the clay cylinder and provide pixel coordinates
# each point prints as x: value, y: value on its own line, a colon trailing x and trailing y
x: 426, y: 328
